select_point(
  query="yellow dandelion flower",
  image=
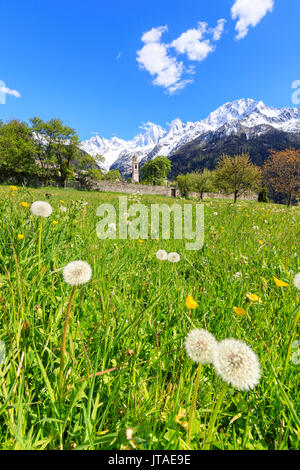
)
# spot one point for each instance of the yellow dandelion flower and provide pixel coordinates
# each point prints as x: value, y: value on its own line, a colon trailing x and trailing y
x: 24, y: 204
x: 181, y: 415
x: 141, y: 241
x: 261, y: 242
x: 280, y: 283
x: 54, y: 222
x: 13, y: 188
x: 191, y: 303
x: 240, y: 311
x: 20, y: 236
x: 253, y: 297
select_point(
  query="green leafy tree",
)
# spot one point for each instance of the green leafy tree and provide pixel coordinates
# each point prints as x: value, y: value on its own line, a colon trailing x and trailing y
x: 58, y: 146
x: 202, y: 181
x: 263, y: 194
x: 197, y: 181
x: 155, y: 171
x: 185, y: 184
x: 87, y: 169
x: 237, y: 175
x: 112, y: 175
x: 17, y: 151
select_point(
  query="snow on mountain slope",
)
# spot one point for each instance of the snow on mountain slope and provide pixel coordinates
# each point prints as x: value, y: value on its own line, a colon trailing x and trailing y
x: 154, y: 140
x: 113, y: 149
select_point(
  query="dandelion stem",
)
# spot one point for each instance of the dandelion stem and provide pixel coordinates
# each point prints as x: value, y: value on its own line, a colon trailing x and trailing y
x: 297, y: 318
x: 194, y: 401
x: 40, y: 242
x: 63, y: 344
x: 213, y: 417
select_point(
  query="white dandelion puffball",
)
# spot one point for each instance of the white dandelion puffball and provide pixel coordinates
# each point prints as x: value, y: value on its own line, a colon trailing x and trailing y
x: 297, y: 281
x: 41, y: 209
x: 201, y: 346
x: 237, y: 364
x: 173, y: 257
x: 162, y: 255
x: 77, y: 273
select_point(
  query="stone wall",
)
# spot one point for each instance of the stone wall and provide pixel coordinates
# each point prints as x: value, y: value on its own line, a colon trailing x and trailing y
x: 130, y: 188
x: 246, y: 197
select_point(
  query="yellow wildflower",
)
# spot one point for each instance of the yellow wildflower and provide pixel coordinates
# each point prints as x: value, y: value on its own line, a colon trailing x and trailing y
x: 181, y: 415
x: 190, y: 302
x: 24, y: 204
x: 253, y: 297
x: 14, y: 188
x: 54, y: 222
x: 280, y: 283
x: 20, y: 236
x: 240, y: 311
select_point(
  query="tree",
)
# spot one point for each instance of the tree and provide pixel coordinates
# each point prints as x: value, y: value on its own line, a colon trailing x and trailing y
x: 197, y: 181
x: 281, y: 172
x: 17, y: 151
x: 58, y: 145
x: 86, y: 168
x: 184, y: 183
x: 237, y: 175
x: 263, y: 194
x: 202, y: 181
x: 155, y: 171
x: 112, y: 175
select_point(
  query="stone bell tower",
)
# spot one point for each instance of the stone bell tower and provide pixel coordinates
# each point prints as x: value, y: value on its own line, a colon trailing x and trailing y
x: 135, y: 170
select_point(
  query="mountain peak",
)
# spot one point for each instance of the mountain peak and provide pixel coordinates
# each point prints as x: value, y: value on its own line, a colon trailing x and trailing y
x: 153, y: 140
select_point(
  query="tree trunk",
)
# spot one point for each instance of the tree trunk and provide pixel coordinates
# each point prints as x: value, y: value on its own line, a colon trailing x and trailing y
x: 290, y: 199
x: 235, y: 196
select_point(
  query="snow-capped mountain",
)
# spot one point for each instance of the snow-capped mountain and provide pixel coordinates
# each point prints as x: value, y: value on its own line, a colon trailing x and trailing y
x: 244, y: 115
x: 113, y: 149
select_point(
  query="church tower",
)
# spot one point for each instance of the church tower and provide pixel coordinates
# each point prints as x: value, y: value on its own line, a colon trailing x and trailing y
x: 135, y: 170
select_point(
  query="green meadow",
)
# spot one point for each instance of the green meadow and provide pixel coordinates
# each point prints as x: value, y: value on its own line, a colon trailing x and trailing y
x: 128, y: 382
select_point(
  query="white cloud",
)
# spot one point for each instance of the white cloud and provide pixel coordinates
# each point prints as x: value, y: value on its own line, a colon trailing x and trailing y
x: 155, y: 59
x: 170, y: 73
x: 218, y: 30
x: 193, y: 44
x: 249, y: 13
x: 154, y: 34
x: 8, y: 91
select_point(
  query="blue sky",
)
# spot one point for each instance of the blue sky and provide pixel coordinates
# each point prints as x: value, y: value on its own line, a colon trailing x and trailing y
x: 78, y: 60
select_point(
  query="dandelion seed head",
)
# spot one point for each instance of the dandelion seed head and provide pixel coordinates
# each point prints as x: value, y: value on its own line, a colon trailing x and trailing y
x: 162, y: 255
x: 173, y: 257
x: 41, y: 209
x: 297, y: 281
x: 237, y: 364
x: 200, y: 346
x: 77, y: 273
